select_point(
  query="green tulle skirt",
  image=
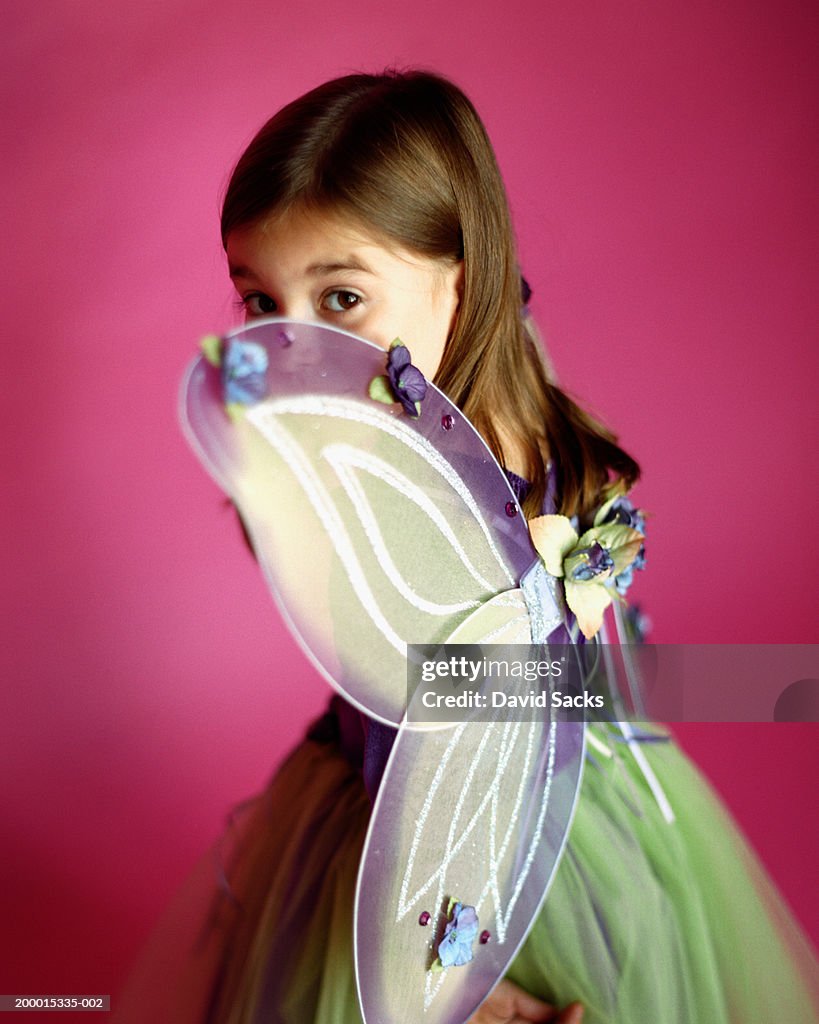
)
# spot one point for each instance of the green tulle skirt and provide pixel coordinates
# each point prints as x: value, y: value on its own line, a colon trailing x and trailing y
x: 646, y: 922
x: 650, y: 921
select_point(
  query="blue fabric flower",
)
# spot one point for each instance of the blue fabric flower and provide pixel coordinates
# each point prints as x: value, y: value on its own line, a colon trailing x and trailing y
x: 244, y: 372
x: 407, y: 382
x: 595, y: 560
x: 624, y: 512
x: 626, y: 577
x: 455, y: 948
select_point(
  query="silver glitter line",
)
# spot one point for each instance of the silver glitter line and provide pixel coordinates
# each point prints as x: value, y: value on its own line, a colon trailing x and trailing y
x: 500, y: 855
x: 403, y: 906
x: 450, y: 851
x: 509, y: 741
x: 342, y: 458
x: 371, y: 415
x: 539, y: 590
x: 262, y: 417
x: 538, y: 830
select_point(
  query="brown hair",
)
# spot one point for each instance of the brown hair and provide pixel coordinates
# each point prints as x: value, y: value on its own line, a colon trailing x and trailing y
x: 406, y: 154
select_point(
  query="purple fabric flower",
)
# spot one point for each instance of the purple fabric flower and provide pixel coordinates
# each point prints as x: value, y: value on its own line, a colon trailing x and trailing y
x: 595, y: 560
x: 407, y: 382
x: 244, y: 372
x: 455, y: 948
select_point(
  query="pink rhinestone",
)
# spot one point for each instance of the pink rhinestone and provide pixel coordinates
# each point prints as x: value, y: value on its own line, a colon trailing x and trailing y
x: 424, y: 918
x: 286, y: 337
x: 511, y: 509
x: 485, y: 937
x: 447, y: 421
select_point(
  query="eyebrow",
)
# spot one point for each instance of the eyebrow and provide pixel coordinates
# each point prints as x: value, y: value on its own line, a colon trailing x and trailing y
x: 350, y: 263
x: 315, y: 270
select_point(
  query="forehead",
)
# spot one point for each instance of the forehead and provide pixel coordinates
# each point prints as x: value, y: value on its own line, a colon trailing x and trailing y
x: 300, y: 233
x: 308, y: 242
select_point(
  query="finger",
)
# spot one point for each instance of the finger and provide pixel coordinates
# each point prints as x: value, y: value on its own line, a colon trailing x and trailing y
x: 572, y: 1014
x: 531, y: 1008
x: 508, y: 1003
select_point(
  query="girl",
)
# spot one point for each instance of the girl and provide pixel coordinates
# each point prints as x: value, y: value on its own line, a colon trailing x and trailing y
x: 374, y: 203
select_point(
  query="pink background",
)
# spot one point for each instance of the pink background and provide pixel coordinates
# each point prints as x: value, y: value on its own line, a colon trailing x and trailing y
x: 660, y: 159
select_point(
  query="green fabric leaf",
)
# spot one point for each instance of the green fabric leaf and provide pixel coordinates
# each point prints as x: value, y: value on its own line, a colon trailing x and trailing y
x: 211, y: 346
x: 613, y: 492
x: 553, y: 537
x: 380, y: 390
x: 588, y: 601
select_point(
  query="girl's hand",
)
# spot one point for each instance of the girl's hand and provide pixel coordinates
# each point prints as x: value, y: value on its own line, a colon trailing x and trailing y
x: 509, y: 1004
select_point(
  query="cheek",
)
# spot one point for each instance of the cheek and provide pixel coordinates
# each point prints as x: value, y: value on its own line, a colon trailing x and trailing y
x: 371, y: 325
x: 428, y: 353
x: 423, y: 326
x: 438, y: 330
x: 376, y: 336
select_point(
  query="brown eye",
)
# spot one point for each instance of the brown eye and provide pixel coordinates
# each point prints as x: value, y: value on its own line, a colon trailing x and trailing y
x: 258, y: 304
x: 340, y: 301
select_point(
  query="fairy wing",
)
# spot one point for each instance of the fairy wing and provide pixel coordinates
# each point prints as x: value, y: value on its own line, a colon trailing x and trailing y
x: 376, y: 529
x: 480, y: 813
x: 373, y: 528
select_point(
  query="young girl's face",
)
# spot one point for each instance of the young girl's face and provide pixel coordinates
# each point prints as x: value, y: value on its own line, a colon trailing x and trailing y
x: 315, y: 266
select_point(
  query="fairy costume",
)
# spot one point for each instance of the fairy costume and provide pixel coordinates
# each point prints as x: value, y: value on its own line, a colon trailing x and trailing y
x: 656, y: 910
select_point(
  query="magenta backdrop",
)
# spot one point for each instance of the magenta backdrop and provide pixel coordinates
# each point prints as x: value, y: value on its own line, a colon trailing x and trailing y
x: 660, y: 159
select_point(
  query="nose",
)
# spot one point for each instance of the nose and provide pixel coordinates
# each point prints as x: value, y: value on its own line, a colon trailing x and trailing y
x: 297, y: 309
